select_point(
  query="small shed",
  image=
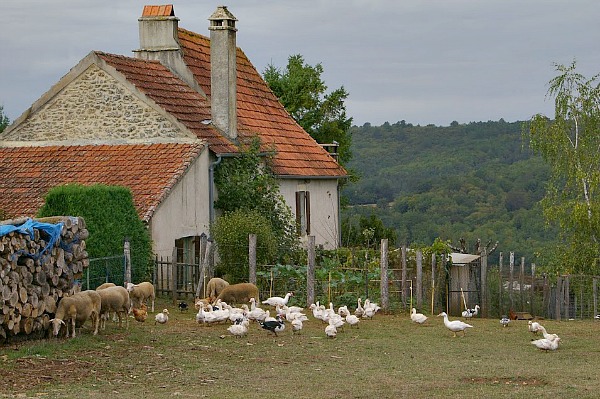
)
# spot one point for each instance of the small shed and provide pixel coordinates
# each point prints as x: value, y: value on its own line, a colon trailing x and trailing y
x: 463, y: 282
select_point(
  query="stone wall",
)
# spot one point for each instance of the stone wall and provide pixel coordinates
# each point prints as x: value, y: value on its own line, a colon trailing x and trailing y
x: 94, y: 107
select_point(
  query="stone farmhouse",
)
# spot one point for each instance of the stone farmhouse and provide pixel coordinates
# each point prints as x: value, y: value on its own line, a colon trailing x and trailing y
x: 159, y: 123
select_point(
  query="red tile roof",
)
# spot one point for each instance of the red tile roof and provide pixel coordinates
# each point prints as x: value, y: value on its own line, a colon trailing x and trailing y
x: 149, y: 170
x: 260, y: 112
x: 158, y: 11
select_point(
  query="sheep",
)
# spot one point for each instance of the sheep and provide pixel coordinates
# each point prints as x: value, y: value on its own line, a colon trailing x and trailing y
x: 214, y: 287
x: 238, y: 293
x: 114, y: 299
x: 105, y: 317
x: 105, y: 285
x: 77, y: 309
x: 139, y: 293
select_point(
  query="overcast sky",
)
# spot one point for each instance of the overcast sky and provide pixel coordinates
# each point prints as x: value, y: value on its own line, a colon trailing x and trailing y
x: 422, y: 61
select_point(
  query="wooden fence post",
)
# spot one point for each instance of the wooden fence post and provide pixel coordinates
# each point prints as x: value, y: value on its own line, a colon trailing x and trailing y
x: 127, y: 253
x: 385, y: 295
x: 174, y: 275
x: 500, y: 286
x: 252, y: 258
x: 433, y: 287
x: 558, y: 297
x: 567, y: 302
x: 404, y: 282
x: 532, y: 294
x: 419, y: 281
x: 310, y: 272
x: 484, y: 266
x: 511, y: 267
x: 521, y: 284
x: 595, y: 296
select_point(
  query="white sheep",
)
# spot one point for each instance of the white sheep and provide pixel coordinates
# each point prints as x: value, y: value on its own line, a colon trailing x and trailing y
x: 238, y: 293
x: 105, y: 285
x: 76, y: 309
x: 214, y: 287
x: 140, y: 293
x: 114, y: 299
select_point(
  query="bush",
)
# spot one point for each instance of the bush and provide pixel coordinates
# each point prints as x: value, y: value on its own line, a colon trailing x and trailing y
x: 231, y: 231
x: 110, y: 216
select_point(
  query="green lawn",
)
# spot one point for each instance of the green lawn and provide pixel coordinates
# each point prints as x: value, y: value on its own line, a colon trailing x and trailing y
x: 387, y: 357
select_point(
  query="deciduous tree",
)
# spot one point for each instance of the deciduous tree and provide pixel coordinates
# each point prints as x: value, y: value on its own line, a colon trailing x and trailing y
x: 570, y: 143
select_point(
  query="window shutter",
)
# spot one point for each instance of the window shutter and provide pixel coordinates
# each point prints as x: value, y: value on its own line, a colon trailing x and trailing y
x: 298, y: 212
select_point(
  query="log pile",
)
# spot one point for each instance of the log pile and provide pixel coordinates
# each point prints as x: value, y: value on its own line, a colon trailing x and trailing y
x: 37, y: 267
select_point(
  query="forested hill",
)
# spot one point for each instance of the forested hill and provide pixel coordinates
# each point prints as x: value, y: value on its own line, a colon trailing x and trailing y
x: 476, y: 180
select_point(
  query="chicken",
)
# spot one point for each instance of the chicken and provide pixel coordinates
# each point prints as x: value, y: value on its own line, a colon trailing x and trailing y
x: 140, y: 314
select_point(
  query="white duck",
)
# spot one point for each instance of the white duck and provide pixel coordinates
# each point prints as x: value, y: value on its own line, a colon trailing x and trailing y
x: 277, y: 300
x: 316, y: 311
x: 547, y: 344
x: 162, y: 317
x: 204, y: 317
x: 468, y: 313
x: 455, y: 325
x: 419, y: 318
x: 504, y: 321
x: 533, y: 326
x: 239, y: 329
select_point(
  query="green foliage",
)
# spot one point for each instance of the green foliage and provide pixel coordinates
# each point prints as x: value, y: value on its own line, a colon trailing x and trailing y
x: 110, y: 216
x: 4, y: 121
x: 301, y: 90
x: 246, y: 183
x: 231, y: 231
x: 471, y: 180
x: 366, y: 231
x: 569, y: 144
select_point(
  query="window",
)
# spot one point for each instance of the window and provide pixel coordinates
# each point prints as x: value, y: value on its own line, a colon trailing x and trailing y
x: 303, y: 213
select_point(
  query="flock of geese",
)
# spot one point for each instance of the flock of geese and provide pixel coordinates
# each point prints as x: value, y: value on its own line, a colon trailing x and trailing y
x: 548, y: 343
x: 275, y: 323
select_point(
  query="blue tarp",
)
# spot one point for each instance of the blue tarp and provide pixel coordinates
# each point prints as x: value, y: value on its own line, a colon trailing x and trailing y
x: 52, y: 231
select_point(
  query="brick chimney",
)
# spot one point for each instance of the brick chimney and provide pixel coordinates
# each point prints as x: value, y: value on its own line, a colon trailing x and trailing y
x: 159, y: 41
x: 223, y: 71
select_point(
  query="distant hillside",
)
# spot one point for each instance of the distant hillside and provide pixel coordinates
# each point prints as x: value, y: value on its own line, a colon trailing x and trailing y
x: 476, y: 180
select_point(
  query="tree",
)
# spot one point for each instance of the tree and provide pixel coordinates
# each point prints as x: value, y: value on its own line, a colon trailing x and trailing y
x: 247, y: 183
x: 4, y: 121
x: 569, y: 144
x: 301, y: 90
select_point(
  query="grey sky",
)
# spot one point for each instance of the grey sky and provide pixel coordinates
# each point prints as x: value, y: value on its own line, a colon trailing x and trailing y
x: 416, y: 60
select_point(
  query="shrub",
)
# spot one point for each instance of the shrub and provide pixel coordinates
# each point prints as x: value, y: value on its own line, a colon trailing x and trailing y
x: 110, y: 216
x: 231, y: 231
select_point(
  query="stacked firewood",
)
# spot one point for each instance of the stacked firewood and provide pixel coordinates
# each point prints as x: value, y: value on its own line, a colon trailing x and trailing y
x: 37, y: 268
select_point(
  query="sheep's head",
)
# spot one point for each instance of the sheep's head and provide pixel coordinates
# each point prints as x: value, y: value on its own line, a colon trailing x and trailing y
x: 130, y: 287
x: 56, y: 323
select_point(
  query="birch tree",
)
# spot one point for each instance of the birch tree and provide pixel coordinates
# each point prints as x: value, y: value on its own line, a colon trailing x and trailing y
x: 570, y: 143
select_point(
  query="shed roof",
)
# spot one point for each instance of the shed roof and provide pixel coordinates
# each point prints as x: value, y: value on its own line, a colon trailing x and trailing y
x: 463, y: 259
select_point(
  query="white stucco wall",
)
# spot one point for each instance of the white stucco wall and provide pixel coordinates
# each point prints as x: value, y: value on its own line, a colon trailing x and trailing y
x: 324, y: 223
x: 185, y: 212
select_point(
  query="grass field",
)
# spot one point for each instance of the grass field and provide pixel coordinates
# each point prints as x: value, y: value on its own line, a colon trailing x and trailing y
x: 387, y: 357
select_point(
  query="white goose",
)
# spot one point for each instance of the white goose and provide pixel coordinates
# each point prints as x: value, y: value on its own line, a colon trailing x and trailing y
x: 455, y: 325
x: 359, y: 309
x: 534, y: 326
x: 547, y: 344
x: 239, y: 329
x: 296, y: 325
x: 352, y: 320
x: 256, y: 313
x: 330, y: 330
x: 546, y: 334
x: 419, y: 318
x: 277, y: 300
